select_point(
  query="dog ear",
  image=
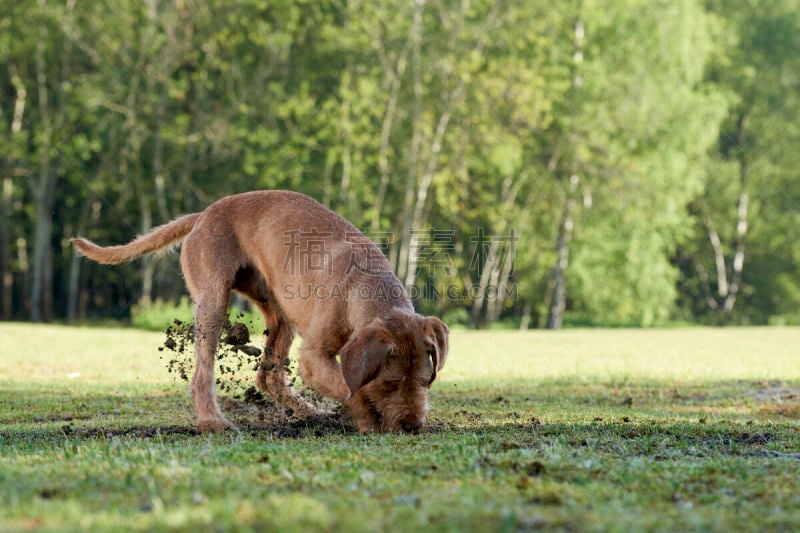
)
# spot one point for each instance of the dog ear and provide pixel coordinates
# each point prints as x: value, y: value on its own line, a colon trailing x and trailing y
x: 441, y: 334
x: 364, y: 355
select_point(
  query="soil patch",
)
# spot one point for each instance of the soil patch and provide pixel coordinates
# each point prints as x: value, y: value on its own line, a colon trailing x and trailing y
x: 248, y: 408
x: 257, y: 413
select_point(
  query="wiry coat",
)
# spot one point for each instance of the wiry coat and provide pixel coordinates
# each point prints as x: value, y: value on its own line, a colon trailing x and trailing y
x: 307, y: 270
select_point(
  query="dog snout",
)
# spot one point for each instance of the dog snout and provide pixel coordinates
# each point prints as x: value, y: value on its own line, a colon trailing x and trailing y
x: 410, y: 425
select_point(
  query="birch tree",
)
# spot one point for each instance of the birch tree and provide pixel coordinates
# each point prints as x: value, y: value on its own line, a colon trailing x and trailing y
x: 753, y: 178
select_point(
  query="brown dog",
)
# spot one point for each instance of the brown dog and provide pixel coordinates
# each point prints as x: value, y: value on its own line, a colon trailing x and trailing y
x: 306, y: 269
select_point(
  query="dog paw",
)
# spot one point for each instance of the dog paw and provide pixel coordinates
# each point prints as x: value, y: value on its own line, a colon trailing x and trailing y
x: 216, y: 425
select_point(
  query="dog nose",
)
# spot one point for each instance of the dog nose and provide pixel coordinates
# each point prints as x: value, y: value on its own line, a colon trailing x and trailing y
x: 410, y: 425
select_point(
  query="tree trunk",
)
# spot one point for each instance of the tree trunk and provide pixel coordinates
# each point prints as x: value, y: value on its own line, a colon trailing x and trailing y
x: 158, y: 161
x: 43, y: 189
x: 6, y: 194
x: 558, y: 295
x: 498, y: 265
x: 40, y: 257
x: 6, y: 309
x: 416, y: 194
x: 395, y: 75
x: 484, y: 257
x: 85, y: 292
x: 147, y: 261
x: 558, y: 298
x: 729, y: 281
x: 416, y: 220
x: 74, y: 277
x: 525, y: 322
x: 401, y: 253
x: 500, y: 279
x: 148, y: 267
x: 5, y: 252
x: 737, y: 265
x: 24, y: 274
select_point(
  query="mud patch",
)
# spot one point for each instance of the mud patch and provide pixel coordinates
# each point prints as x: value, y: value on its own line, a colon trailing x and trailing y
x: 265, y: 416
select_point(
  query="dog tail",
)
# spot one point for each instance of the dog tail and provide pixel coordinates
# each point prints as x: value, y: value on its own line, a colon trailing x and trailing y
x: 158, y: 238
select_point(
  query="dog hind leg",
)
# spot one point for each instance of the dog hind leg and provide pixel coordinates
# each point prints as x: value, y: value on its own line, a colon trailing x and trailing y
x: 210, y: 285
x: 210, y: 314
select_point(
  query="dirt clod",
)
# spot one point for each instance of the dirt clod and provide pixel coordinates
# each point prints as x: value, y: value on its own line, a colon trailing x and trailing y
x: 249, y: 350
x: 256, y: 397
x: 237, y: 334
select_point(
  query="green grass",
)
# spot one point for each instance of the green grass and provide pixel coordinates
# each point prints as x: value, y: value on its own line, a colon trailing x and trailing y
x: 620, y: 430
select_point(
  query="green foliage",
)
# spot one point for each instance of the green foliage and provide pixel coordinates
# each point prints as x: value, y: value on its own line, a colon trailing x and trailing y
x: 754, y: 66
x: 409, y: 116
x: 160, y: 314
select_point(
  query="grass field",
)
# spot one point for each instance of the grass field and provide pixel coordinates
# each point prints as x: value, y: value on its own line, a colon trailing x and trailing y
x: 617, y: 430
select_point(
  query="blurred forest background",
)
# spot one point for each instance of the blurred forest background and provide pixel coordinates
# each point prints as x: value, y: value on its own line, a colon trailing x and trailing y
x: 522, y: 162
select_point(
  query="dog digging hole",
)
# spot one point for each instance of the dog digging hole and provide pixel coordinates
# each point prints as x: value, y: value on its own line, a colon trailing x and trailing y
x: 236, y: 362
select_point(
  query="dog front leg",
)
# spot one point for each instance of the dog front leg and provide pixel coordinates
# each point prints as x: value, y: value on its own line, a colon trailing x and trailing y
x: 322, y: 373
x: 362, y: 412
